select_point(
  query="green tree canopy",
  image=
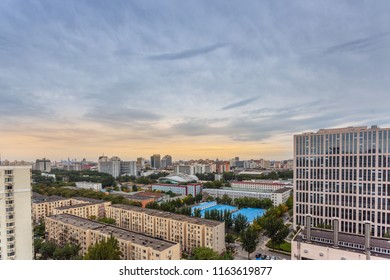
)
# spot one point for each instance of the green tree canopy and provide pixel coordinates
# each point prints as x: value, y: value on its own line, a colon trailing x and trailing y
x: 249, y: 240
x: 240, y: 222
x: 107, y: 249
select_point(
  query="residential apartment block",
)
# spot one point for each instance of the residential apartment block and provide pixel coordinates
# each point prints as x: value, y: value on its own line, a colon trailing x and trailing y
x: 66, y: 228
x: 343, y: 173
x: 16, y: 233
x: 44, y: 206
x: 189, y: 232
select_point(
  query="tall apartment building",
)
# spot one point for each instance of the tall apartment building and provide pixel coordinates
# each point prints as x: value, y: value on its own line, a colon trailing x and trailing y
x: 128, y: 168
x: 16, y: 236
x: 116, y: 167
x: 155, y: 161
x: 189, y: 232
x: 166, y: 161
x: 43, y: 165
x: 343, y: 173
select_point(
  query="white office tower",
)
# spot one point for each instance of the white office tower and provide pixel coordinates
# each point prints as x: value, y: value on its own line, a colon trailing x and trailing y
x: 343, y: 173
x: 16, y: 233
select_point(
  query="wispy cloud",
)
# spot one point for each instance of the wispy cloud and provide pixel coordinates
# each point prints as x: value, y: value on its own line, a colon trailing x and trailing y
x: 359, y: 45
x: 187, y: 53
x: 240, y: 103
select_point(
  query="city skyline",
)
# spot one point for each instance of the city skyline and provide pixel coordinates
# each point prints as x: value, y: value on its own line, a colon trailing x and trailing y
x: 188, y: 79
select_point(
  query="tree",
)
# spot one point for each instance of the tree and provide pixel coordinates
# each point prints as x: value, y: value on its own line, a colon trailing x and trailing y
x: 229, y: 238
x: 106, y: 220
x: 67, y: 252
x: 249, y: 240
x: 226, y: 200
x: 107, y: 249
x: 204, y: 253
x: 197, y: 213
x: 47, y: 250
x: 37, y: 247
x: 274, y: 228
x: 227, y: 218
x: 134, y: 188
x: 198, y: 198
x: 240, y: 222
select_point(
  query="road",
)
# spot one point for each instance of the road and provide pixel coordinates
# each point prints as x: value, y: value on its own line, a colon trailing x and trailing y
x: 262, y: 249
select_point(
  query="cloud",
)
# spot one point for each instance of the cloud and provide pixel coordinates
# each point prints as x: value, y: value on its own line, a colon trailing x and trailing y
x: 240, y: 103
x: 188, y: 53
x: 120, y: 115
x: 359, y: 45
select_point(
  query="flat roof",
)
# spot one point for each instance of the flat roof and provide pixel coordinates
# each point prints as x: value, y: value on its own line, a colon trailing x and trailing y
x: 173, y: 216
x: 242, y: 190
x: 76, y: 221
x: 76, y: 206
x: 283, y: 190
x: 92, y: 200
x: 345, y: 237
x: 39, y: 198
x: 258, y: 183
x: 119, y: 233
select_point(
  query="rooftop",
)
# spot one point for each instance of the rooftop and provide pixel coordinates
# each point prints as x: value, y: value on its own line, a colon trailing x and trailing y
x: 75, y: 206
x: 39, y: 198
x: 170, y: 215
x: 327, y: 236
x: 87, y: 199
x: 119, y: 233
x: 283, y: 190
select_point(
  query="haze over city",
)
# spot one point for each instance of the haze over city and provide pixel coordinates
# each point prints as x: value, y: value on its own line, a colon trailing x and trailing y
x: 194, y: 79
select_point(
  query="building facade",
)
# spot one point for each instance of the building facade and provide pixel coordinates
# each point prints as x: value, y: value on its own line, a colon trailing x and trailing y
x: 66, y: 228
x: 325, y: 244
x: 166, y: 161
x: 189, y: 232
x: 277, y: 197
x: 155, y: 161
x: 261, y: 186
x: 43, y: 165
x: 192, y: 189
x: 343, y: 173
x: 128, y: 168
x: 89, y: 186
x: 16, y: 233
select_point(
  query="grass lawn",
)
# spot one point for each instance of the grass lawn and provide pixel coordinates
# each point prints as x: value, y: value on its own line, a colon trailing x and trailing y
x: 285, y: 246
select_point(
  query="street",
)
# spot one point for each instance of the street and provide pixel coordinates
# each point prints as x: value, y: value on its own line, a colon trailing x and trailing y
x: 262, y: 249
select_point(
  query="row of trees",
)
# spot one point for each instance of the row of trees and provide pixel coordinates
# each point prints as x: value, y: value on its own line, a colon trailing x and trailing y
x: 65, y: 192
x: 178, y: 206
x: 50, y: 250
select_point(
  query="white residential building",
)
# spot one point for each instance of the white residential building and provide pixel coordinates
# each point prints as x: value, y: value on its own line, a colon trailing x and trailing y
x: 89, y: 186
x: 16, y: 233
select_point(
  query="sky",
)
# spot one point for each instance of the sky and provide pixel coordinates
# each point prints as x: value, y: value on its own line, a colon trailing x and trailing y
x: 193, y: 79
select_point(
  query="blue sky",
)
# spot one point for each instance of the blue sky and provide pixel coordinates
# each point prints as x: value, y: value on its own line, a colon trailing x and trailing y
x: 188, y: 78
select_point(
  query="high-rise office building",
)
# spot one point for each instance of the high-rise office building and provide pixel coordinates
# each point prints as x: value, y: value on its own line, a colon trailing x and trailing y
x: 166, y: 161
x: 16, y: 236
x: 110, y: 165
x: 129, y: 168
x: 43, y: 165
x: 343, y: 173
x: 155, y: 161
